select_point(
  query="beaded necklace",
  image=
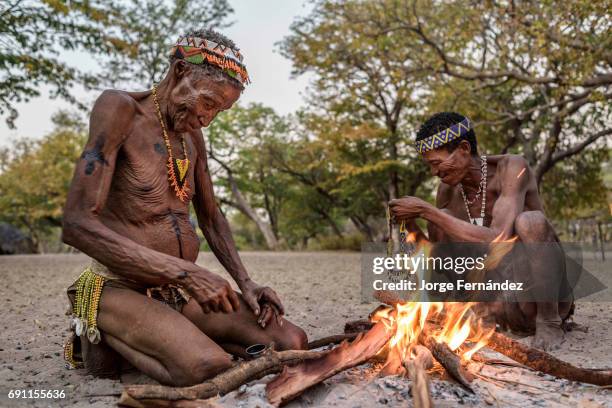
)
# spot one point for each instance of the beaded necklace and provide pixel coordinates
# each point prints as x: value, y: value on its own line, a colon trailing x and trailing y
x: 481, y: 189
x: 175, y: 166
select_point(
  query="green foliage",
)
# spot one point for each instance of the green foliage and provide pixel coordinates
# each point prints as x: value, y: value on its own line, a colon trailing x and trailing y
x: 35, y: 177
x: 534, y: 76
x: 149, y: 27
x: 130, y: 38
x: 34, y: 34
x: 579, y: 181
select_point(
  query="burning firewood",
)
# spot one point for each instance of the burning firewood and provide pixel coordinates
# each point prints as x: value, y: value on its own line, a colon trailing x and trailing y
x: 417, y: 372
x: 447, y: 359
x: 271, y: 362
x: 295, y: 380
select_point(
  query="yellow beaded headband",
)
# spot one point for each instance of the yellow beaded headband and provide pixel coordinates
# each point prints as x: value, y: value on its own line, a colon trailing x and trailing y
x: 443, y: 137
x: 198, y: 51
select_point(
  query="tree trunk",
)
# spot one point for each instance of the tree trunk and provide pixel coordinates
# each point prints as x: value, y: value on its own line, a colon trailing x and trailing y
x: 243, y: 206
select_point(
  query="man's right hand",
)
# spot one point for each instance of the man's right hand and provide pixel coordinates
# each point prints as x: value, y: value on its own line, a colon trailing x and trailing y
x: 212, y: 292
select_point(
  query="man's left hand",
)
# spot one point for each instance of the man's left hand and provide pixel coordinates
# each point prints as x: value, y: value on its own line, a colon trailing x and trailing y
x: 407, y: 208
x: 264, y: 302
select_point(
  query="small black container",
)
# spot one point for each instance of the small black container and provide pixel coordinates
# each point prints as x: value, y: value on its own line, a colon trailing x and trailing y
x: 256, y: 350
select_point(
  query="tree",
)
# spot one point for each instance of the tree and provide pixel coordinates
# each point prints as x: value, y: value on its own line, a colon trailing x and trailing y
x: 33, y: 35
x: 536, y: 75
x: 35, y: 177
x: 130, y: 39
x: 150, y: 27
x: 238, y: 143
x: 362, y: 82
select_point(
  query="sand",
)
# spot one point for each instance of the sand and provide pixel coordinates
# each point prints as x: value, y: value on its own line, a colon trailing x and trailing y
x: 321, y: 291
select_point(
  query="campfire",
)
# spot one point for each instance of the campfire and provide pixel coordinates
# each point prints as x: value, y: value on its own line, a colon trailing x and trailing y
x: 460, y: 329
x: 402, y: 338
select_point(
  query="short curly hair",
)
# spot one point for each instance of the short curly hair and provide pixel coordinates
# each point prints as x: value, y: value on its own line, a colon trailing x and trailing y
x: 212, y: 71
x: 444, y: 120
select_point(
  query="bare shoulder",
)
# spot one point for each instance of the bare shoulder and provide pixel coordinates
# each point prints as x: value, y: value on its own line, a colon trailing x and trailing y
x: 114, y: 105
x: 512, y: 164
x: 113, y: 114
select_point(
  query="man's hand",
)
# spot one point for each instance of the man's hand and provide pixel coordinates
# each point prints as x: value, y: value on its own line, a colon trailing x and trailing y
x: 212, y: 292
x: 263, y: 301
x: 407, y: 208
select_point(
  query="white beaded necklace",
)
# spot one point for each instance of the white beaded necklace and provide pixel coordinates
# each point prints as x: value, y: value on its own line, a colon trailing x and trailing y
x: 482, y: 188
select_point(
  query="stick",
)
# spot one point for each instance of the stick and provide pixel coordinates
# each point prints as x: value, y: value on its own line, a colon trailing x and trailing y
x: 335, y: 339
x: 417, y: 371
x: 295, y: 380
x: 546, y: 363
x: 127, y: 401
x: 449, y: 360
x: 271, y: 362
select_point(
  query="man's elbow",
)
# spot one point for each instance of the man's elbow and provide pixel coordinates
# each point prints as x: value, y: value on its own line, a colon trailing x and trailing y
x: 71, y: 229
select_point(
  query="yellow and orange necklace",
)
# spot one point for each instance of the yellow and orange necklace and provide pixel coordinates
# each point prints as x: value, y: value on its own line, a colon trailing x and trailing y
x: 175, y: 166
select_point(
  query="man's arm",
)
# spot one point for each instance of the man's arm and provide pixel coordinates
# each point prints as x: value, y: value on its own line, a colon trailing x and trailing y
x: 82, y: 228
x: 213, y: 224
x: 216, y: 229
x: 516, y: 176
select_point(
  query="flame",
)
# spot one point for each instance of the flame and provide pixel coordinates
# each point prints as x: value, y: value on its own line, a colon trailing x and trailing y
x: 458, y: 326
x: 456, y: 323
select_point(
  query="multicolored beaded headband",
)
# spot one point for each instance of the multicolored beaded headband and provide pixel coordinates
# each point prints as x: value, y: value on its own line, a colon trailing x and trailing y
x: 443, y: 137
x: 199, y: 50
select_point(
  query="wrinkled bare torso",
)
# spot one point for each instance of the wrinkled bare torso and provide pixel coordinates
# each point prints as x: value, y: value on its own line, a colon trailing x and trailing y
x: 141, y: 204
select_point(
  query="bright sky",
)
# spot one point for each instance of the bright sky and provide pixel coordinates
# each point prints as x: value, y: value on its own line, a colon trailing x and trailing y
x: 258, y: 26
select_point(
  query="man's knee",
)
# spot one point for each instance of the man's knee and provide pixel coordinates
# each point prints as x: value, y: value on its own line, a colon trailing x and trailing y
x: 533, y: 226
x: 291, y: 337
x: 200, y: 367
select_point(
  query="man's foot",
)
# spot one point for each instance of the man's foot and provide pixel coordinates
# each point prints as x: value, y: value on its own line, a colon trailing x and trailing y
x: 549, y: 336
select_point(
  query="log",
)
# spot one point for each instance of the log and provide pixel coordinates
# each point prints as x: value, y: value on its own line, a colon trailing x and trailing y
x: 417, y: 372
x: 358, y: 326
x: 449, y: 360
x: 393, y: 363
x: 541, y: 361
x: 295, y: 380
x: 269, y: 363
x: 334, y: 339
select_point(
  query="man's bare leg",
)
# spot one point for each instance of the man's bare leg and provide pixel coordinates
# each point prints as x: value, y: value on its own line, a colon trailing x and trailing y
x: 546, y: 267
x: 237, y: 330
x: 159, y: 341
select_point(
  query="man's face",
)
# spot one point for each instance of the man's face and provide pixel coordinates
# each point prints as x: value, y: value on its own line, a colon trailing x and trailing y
x: 196, y: 100
x: 450, y: 167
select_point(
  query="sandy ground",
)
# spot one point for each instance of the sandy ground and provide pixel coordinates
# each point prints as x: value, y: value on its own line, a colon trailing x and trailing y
x: 321, y: 291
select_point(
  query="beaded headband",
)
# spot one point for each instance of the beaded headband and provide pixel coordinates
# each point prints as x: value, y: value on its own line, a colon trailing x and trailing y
x: 197, y: 51
x: 443, y: 137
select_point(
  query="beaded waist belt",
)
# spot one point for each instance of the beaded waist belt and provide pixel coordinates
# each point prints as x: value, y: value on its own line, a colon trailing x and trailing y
x: 85, y: 309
